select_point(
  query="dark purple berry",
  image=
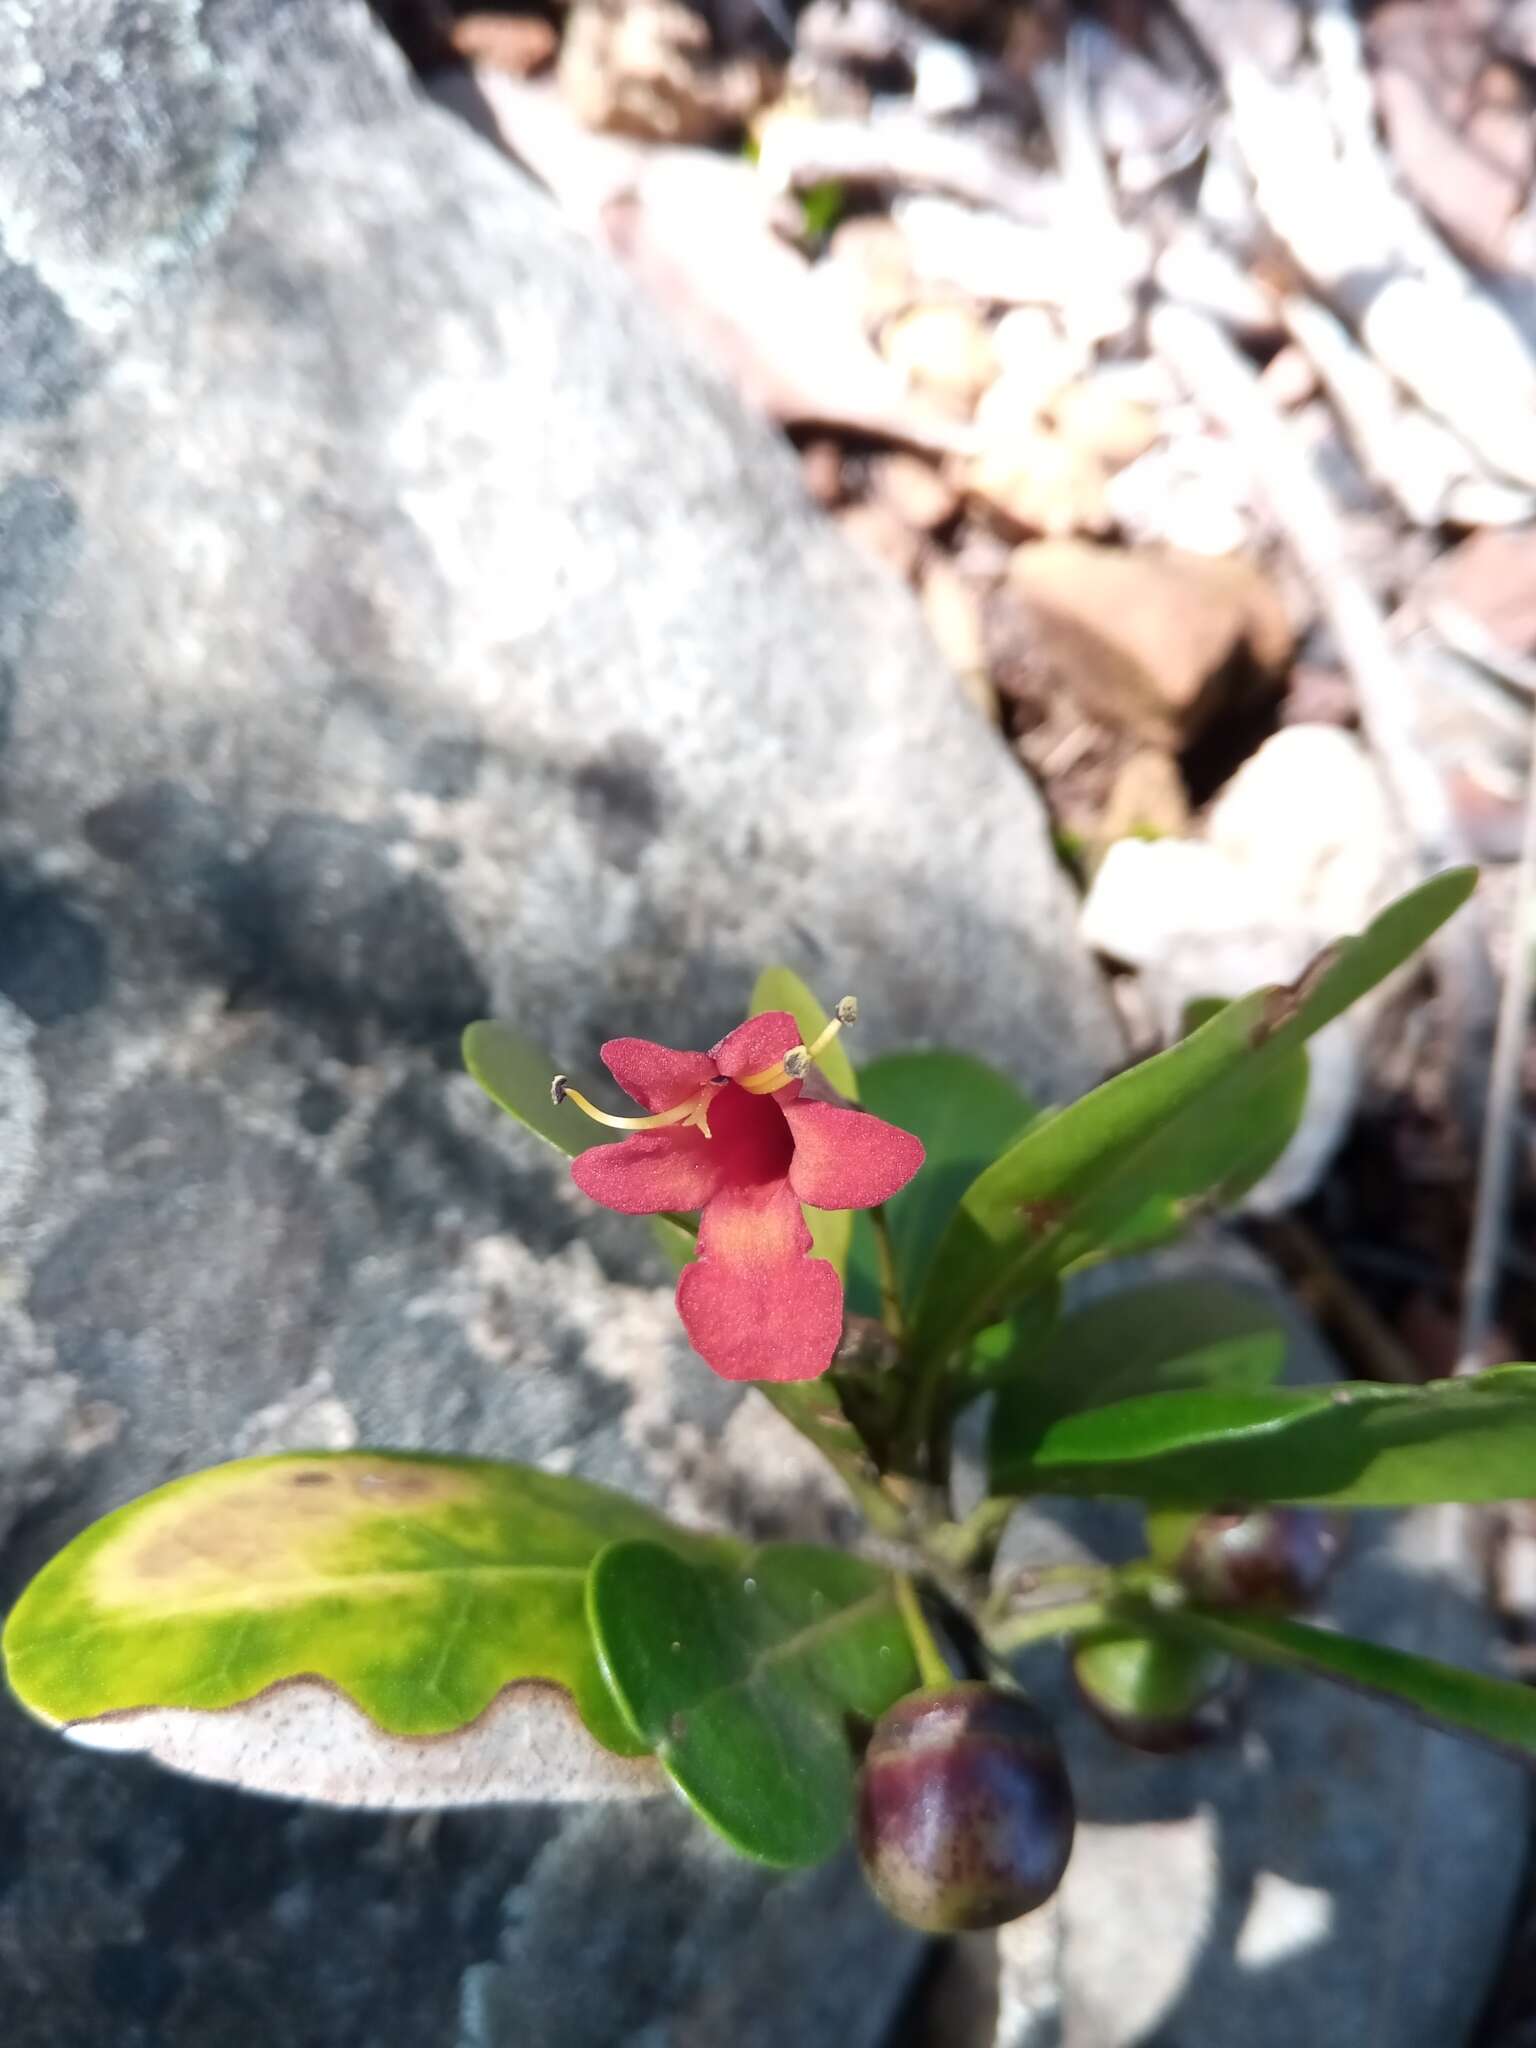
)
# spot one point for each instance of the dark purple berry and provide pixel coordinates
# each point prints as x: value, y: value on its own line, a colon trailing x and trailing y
x: 1154, y: 1694
x: 1275, y: 1558
x: 965, y: 1812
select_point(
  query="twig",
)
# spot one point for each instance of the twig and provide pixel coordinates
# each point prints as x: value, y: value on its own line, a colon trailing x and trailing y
x: 1356, y: 1326
x: 1225, y: 384
x: 1326, y: 190
x: 1112, y: 260
x: 1471, y: 639
x: 1495, y: 1166
x: 1428, y: 469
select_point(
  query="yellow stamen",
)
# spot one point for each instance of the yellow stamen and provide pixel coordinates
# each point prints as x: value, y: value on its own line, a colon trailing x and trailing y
x: 798, y: 1061
x: 694, y: 1111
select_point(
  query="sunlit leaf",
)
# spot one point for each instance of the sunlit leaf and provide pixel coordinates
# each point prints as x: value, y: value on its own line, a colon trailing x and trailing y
x: 966, y: 1113
x: 516, y: 1074
x: 742, y: 1678
x: 1160, y: 1131
x: 1172, y: 1334
x: 424, y: 1590
x: 1467, y: 1702
x: 1356, y: 1445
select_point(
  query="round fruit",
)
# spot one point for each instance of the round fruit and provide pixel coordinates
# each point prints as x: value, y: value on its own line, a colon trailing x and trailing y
x: 1275, y: 1558
x: 1154, y: 1694
x: 965, y: 1812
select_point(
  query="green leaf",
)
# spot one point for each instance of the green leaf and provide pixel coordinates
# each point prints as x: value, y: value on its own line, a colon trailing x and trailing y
x: 1161, y: 1131
x: 418, y: 1586
x: 1468, y: 1702
x: 516, y: 1074
x: 1141, y: 1340
x: 1355, y: 1445
x: 780, y: 988
x: 1257, y: 1123
x: 965, y: 1112
x: 743, y: 1678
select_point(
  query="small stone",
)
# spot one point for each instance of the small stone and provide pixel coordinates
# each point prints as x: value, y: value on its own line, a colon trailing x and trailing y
x: 521, y: 44
x: 1191, y: 492
x: 821, y: 470
x: 1492, y: 577
x: 873, y: 252
x: 914, y: 490
x: 1153, y: 641
x: 945, y: 352
x: 1102, y: 421
x: 1024, y: 334
x: 879, y: 532
x: 1147, y: 799
x: 1288, y: 378
x: 649, y: 68
x: 1318, y: 694
x: 1040, y: 484
x: 952, y: 607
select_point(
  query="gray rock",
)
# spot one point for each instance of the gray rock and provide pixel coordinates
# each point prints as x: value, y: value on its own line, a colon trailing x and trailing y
x: 394, y: 628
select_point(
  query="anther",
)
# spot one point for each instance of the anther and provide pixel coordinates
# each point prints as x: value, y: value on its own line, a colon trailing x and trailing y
x: 797, y: 1062
x: 847, y: 1012
x: 693, y: 1109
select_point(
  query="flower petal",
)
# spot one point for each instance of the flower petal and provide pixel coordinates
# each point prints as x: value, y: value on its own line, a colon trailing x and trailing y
x: 755, y: 1045
x: 674, y: 1169
x: 654, y: 1075
x: 754, y: 1306
x: 847, y: 1159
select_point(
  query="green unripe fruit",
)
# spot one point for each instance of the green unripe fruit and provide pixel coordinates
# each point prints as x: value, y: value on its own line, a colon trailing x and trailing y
x: 965, y: 1812
x: 1274, y: 1558
x: 1154, y: 1694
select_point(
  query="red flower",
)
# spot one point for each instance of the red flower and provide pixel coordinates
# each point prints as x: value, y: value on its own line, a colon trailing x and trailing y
x: 728, y: 1133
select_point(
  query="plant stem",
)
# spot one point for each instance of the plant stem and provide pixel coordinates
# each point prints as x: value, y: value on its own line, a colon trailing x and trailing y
x: 885, y: 1255
x: 1087, y: 1578
x: 931, y: 1666
x: 1039, y: 1624
x: 971, y: 1545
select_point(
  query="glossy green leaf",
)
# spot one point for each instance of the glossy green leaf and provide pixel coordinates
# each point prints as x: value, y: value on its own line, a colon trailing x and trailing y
x: 516, y: 1074
x: 1258, y: 1121
x: 1468, y: 1702
x: 418, y: 1586
x: 1009, y: 1350
x: 743, y: 1678
x: 1356, y: 1445
x: 780, y: 988
x: 1142, y: 1340
x: 966, y: 1113
x: 1160, y: 1131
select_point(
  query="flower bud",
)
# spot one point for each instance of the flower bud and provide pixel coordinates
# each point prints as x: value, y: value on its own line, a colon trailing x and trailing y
x: 1275, y: 1558
x: 965, y: 1812
x: 1153, y: 1694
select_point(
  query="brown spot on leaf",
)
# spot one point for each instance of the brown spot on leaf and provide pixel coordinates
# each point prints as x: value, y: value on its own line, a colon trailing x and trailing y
x: 1045, y: 1215
x: 1281, y: 1005
x: 399, y: 1482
